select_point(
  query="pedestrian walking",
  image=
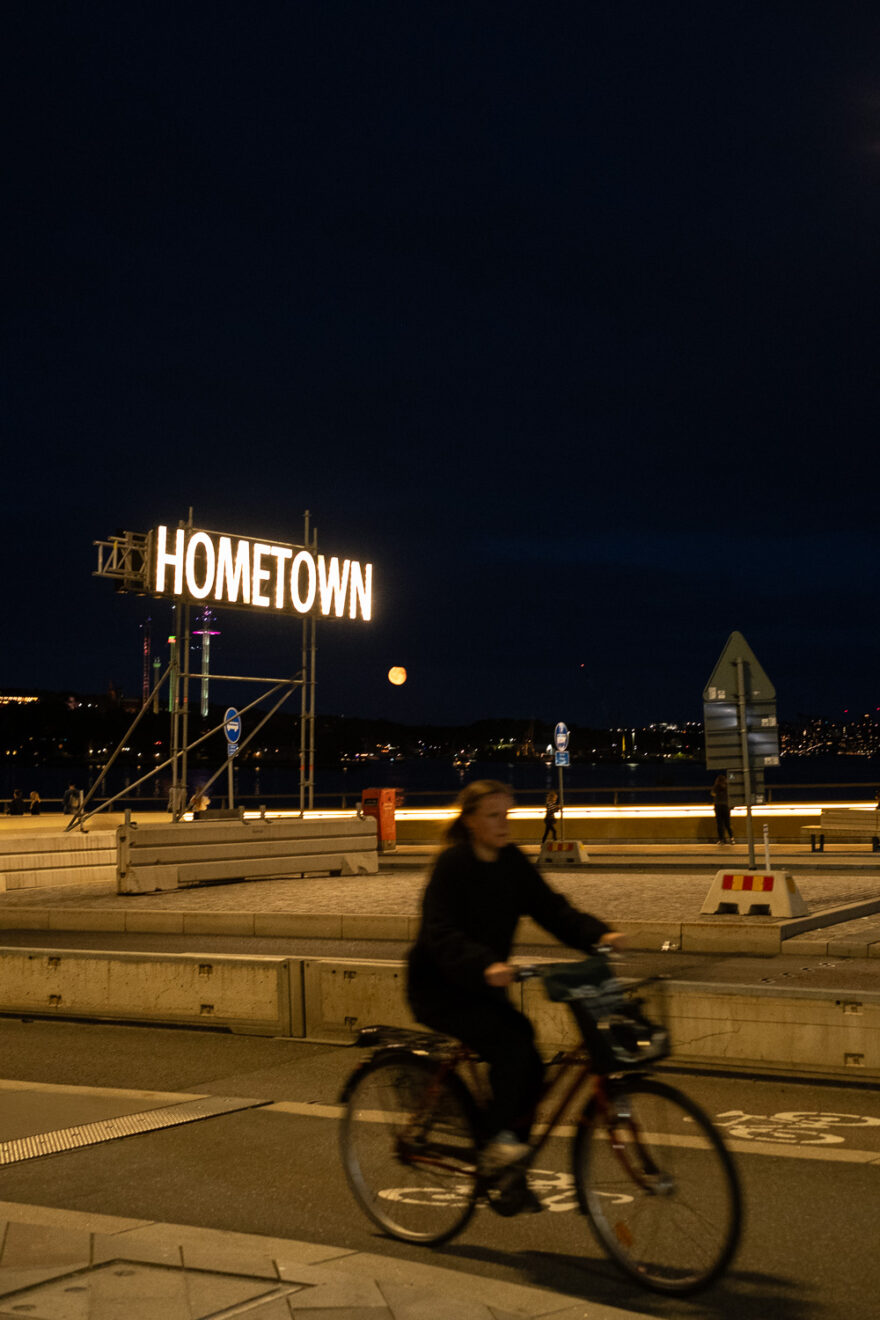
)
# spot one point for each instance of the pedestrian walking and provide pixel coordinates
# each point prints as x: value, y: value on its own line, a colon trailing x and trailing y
x: 551, y: 807
x: 721, y: 799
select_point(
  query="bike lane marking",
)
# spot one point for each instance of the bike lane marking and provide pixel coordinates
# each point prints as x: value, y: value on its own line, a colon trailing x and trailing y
x: 740, y: 1146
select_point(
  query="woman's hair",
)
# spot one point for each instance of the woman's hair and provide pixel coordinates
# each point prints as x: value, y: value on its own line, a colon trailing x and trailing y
x: 467, y: 801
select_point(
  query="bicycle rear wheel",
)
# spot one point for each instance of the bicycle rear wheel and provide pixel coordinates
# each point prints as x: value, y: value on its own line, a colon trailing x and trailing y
x: 659, y: 1186
x: 409, y: 1149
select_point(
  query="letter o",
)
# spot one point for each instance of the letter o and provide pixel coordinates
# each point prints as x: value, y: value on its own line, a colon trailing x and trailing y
x: 303, y: 559
x: 200, y: 540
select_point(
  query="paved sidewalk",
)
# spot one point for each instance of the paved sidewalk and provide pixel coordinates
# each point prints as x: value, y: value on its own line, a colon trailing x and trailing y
x: 67, y: 1265
x: 655, y: 904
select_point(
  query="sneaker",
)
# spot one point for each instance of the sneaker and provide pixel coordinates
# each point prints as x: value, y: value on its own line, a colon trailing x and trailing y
x: 498, y: 1154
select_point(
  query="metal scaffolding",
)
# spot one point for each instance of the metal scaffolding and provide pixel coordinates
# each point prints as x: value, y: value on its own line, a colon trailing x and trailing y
x: 125, y: 559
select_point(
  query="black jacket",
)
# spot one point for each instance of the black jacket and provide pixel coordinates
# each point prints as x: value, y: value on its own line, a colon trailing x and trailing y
x: 470, y: 912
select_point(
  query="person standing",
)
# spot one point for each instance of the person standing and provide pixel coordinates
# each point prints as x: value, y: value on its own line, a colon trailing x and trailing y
x: 17, y: 806
x: 70, y: 801
x: 34, y: 804
x: 721, y: 799
x: 458, y: 968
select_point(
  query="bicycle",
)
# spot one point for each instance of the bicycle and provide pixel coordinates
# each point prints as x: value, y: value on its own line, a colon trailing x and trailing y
x: 650, y: 1171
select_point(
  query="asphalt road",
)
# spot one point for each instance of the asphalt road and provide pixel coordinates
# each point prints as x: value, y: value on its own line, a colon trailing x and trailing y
x: 809, y: 1156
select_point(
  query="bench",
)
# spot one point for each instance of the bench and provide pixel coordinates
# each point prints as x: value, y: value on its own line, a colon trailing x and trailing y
x: 159, y: 857
x: 852, y: 822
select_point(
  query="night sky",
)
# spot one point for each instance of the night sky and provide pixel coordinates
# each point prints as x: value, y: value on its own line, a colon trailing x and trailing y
x: 564, y: 316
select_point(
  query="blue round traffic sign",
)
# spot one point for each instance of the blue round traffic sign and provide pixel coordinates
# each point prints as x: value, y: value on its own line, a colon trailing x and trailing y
x: 232, y: 725
x: 560, y: 736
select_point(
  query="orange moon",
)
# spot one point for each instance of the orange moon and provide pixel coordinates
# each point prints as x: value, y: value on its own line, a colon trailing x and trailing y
x: 397, y: 675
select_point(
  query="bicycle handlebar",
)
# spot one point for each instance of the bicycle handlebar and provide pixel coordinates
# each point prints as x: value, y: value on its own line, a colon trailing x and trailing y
x: 528, y: 971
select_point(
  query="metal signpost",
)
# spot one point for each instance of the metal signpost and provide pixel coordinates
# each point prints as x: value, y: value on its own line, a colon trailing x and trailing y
x: 232, y: 728
x: 742, y: 735
x: 560, y: 738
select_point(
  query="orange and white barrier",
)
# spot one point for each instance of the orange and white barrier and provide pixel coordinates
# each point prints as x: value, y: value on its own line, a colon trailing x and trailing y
x: 564, y: 853
x: 758, y: 893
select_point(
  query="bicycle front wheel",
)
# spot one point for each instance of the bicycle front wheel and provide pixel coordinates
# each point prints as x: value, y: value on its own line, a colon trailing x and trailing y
x: 409, y: 1148
x: 659, y: 1186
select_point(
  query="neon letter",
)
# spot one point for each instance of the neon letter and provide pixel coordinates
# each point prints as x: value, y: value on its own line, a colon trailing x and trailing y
x: 281, y: 553
x: 303, y: 559
x: 332, y: 586
x: 165, y: 559
x: 200, y: 540
x: 260, y: 574
x: 233, y: 579
x: 361, y: 590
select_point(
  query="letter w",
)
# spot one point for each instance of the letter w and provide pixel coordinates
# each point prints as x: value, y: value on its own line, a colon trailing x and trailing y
x: 333, y: 586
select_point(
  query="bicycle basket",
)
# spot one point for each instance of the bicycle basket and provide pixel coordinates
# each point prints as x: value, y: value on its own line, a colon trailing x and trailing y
x: 616, y: 1032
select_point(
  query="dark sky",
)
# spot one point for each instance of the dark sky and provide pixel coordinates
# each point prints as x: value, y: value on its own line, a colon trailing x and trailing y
x: 565, y: 316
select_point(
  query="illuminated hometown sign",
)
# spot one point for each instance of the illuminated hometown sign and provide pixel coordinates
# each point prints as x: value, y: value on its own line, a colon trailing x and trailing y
x: 234, y: 570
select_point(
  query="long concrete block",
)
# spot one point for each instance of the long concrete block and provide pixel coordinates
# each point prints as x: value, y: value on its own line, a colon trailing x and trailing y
x: 769, y: 1030
x: 255, y: 995
x: 762, y: 1029
x: 204, y: 834
x: 54, y: 858
x: 16, y: 849
x: 343, y: 995
x: 155, y: 858
x: 56, y: 877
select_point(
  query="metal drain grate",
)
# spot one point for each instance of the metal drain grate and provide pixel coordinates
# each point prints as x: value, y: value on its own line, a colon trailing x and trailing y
x: 128, y: 1125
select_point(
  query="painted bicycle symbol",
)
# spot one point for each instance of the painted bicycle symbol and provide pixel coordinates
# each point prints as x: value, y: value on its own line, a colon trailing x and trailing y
x: 555, y: 1191
x: 792, y: 1126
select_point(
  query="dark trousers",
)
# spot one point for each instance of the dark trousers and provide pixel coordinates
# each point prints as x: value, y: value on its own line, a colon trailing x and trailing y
x: 504, y: 1038
x: 722, y: 822
x: 549, y: 828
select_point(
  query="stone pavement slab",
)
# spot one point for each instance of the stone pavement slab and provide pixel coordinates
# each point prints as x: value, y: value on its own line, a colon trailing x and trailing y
x: 96, y: 1267
x: 656, y: 908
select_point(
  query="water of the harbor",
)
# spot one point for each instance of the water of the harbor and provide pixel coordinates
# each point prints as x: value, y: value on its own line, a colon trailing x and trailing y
x: 435, y: 782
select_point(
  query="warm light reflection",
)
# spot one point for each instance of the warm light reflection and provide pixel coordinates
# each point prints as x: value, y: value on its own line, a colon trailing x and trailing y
x: 807, y: 809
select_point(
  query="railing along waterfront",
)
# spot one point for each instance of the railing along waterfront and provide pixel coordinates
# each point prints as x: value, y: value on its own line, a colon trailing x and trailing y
x: 685, y: 795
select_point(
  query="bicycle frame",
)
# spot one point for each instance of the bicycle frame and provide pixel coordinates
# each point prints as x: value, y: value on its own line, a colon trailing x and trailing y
x: 464, y: 1060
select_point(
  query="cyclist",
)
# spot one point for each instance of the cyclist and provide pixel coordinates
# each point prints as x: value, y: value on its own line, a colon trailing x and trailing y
x: 480, y: 886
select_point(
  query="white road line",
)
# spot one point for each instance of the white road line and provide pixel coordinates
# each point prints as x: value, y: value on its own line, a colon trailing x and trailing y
x: 835, y: 1155
x: 111, y: 1092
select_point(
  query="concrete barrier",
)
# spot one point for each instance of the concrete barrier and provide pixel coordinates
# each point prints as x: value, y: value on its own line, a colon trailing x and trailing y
x: 772, y: 892
x: 158, y: 857
x: 341, y: 996
x: 564, y: 853
x: 44, y: 858
x: 252, y: 995
x: 761, y: 1029
x: 758, y: 1029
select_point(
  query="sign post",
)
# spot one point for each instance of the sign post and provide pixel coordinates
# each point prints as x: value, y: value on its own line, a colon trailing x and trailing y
x: 742, y: 735
x: 560, y: 738
x: 232, y: 727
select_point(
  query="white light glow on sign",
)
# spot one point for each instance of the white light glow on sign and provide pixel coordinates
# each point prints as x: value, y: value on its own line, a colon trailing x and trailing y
x: 236, y: 571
